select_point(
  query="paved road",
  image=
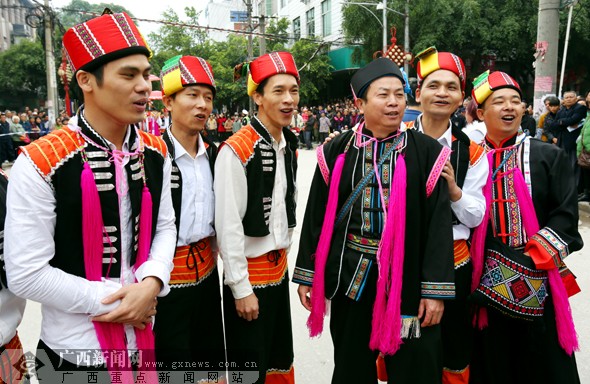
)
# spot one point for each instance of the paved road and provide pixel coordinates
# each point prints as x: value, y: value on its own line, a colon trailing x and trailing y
x: 313, y: 358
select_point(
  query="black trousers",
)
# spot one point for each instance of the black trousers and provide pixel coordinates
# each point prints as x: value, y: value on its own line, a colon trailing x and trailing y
x: 189, y: 326
x: 265, y: 343
x: 418, y: 361
x: 511, y: 351
x: 457, y: 331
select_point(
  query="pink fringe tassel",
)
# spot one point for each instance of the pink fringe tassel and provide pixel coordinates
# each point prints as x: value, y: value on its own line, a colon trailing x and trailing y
x: 315, y: 322
x: 480, y: 319
x: 145, y: 337
x: 479, y: 234
x: 111, y: 336
x: 392, y: 248
x: 566, y: 331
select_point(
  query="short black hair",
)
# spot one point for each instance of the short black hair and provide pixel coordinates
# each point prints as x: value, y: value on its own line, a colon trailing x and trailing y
x: 553, y: 101
x: 98, y: 73
x: 260, y: 88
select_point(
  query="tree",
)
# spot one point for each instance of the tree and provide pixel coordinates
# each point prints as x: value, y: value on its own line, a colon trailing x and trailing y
x: 79, y: 11
x: 280, y: 37
x: 314, y: 68
x: 503, y: 37
x: 482, y: 32
x: 310, y: 56
x: 22, y: 73
x: 180, y: 40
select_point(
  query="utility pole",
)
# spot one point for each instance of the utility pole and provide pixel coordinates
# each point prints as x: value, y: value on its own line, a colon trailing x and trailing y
x: 547, y: 50
x: 384, y: 26
x: 50, y: 66
x: 250, y: 53
x: 262, y: 25
x: 567, y: 41
x: 407, y: 35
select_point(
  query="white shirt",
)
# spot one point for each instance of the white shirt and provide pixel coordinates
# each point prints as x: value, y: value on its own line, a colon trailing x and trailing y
x: 231, y: 201
x: 68, y: 301
x: 11, y: 313
x: 164, y: 121
x: 470, y: 208
x: 476, y: 131
x: 197, y: 210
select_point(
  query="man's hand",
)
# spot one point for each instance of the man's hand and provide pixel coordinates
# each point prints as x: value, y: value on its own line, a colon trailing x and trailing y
x: 331, y: 136
x: 430, y: 311
x: 138, y: 303
x: 449, y: 174
x: 247, y: 307
x: 304, y: 292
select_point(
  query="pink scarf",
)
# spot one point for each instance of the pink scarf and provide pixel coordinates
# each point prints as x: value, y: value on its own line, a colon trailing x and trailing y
x: 387, y: 321
x: 567, y: 336
x: 111, y: 336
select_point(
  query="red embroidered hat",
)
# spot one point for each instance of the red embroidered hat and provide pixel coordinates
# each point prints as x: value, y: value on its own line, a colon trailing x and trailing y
x: 105, y: 38
x: 181, y: 71
x: 486, y: 83
x: 268, y: 65
x: 431, y: 60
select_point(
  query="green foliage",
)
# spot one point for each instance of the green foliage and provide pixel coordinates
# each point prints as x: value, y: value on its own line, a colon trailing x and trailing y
x: 279, y: 29
x: 176, y: 40
x: 70, y: 15
x: 314, y: 69
x: 472, y: 29
x: 172, y: 40
x: 23, y: 70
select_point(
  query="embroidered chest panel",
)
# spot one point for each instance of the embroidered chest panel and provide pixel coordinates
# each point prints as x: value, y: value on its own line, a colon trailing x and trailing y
x: 372, y: 205
x: 506, y: 215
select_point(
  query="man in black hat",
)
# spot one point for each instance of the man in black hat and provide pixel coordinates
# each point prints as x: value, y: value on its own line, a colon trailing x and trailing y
x: 386, y: 284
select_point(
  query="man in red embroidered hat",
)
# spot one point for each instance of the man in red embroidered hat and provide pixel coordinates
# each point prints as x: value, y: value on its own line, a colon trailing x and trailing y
x: 377, y: 240
x: 255, y: 199
x: 96, y: 195
x: 194, y: 302
x: 518, y: 252
x: 441, y: 89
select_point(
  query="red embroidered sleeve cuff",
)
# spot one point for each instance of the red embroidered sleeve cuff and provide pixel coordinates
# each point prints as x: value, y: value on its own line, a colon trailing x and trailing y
x: 547, y: 249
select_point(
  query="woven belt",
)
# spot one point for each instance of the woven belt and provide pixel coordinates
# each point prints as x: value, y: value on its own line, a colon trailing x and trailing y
x: 13, y: 363
x: 461, y: 252
x: 362, y: 244
x: 267, y: 269
x: 192, y: 263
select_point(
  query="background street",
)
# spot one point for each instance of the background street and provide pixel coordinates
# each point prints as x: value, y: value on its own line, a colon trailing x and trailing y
x: 313, y: 358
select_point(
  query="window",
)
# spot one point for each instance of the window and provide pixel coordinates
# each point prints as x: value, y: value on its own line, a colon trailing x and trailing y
x: 310, y: 22
x: 326, y: 17
x: 283, y: 3
x: 297, y: 28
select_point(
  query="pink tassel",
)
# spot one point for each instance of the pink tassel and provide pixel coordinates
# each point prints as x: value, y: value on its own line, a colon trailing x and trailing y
x: 145, y: 337
x: 393, y: 247
x: 480, y: 320
x: 479, y: 234
x: 566, y: 331
x: 315, y: 322
x: 111, y: 336
x: 92, y: 225
x: 145, y: 227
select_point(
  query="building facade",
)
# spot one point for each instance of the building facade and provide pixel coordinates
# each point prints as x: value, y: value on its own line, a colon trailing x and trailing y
x: 13, y: 23
x: 226, y: 15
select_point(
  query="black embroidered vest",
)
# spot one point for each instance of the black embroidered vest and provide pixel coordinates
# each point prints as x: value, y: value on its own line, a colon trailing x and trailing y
x: 64, y: 178
x: 254, y: 143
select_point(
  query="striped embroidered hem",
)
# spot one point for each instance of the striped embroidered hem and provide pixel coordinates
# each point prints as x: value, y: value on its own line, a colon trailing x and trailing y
x: 431, y: 290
